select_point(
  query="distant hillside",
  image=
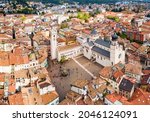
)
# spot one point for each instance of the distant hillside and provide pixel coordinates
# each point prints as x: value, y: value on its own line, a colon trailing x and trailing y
x: 80, y: 1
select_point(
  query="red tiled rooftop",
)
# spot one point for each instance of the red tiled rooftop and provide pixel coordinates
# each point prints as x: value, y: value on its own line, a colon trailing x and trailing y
x: 15, y: 99
x: 12, y: 88
x: 118, y: 74
x: 140, y: 98
x: 80, y: 102
x: 146, y: 71
x: 2, y: 77
x: 113, y: 97
x: 49, y: 97
x: 136, y: 45
x: 106, y: 72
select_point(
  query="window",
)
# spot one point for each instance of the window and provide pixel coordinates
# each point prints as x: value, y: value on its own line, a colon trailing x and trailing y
x: 119, y: 55
x: 34, y: 99
x: 30, y: 90
x: 86, y: 50
x: 83, y: 88
x: 127, y: 95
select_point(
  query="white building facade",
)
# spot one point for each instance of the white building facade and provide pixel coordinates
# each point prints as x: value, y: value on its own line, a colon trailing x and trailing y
x: 70, y: 52
x: 53, y: 42
x: 104, y: 52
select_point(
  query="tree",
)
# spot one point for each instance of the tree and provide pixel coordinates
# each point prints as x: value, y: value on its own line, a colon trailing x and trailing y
x: 122, y: 35
x: 64, y: 25
x: 83, y: 16
x: 63, y: 59
x: 23, y: 18
x: 133, y: 22
x: 116, y: 19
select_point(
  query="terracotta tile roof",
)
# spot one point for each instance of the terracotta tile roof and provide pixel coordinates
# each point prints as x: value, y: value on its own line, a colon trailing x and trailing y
x: 99, y: 102
x: 101, y: 89
x: 5, y: 36
x: 99, y: 81
x: 21, y: 74
x: 118, y: 74
x: 136, y: 45
x: 134, y: 58
x: 2, y: 77
x: 12, y: 58
x: 49, y: 97
x: 15, y: 58
x: 106, y: 72
x: 68, y: 47
x: 140, y: 98
x: 31, y: 96
x: 133, y: 68
x: 143, y: 49
x: 147, y: 23
x: 17, y: 50
x: 12, y: 86
x: 73, y: 96
x: 19, y: 60
x: 34, y: 72
x: 78, y: 27
x: 25, y: 59
x: 86, y: 31
x: 80, y: 83
x: 91, y: 91
x: 113, y: 97
x: 88, y: 101
x: 2, y: 92
x: 15, y: 99
x: 67, y: 102
x: 111, y: 89
x: 4, y: 59
x: 80, y: 102
x: 119, y: 66
x: 116, y: 97
x: 146, y: 71
x: 59, y: 40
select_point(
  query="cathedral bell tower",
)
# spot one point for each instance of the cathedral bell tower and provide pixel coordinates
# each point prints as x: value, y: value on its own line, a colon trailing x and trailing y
x: 53, y: 42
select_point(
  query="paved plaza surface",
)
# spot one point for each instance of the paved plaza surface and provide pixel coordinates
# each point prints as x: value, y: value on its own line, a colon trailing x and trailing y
x: 78, y: 68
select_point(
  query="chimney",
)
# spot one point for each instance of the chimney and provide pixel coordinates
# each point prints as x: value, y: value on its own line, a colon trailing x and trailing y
x: 31, y: 37
x: 13, y: 33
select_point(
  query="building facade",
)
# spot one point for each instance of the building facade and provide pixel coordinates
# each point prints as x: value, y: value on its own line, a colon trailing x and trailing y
x: 104, y: 52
